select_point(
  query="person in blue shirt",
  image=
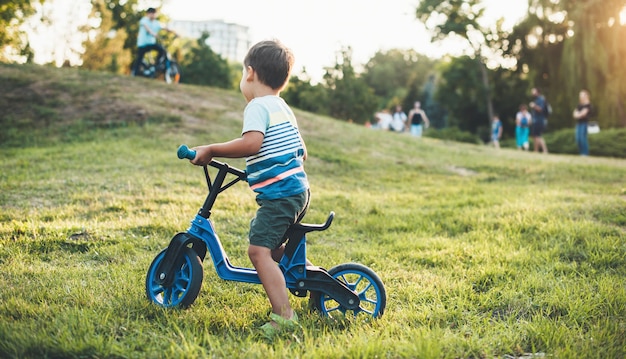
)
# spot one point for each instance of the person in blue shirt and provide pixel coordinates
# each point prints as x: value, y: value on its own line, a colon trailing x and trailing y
x: 523, y: 121
x: 149, y: 28
x: 275, y: 153
x: 496, y: 131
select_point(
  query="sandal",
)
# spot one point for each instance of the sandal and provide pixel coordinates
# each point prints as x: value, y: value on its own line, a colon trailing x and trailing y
x: 269, y: 330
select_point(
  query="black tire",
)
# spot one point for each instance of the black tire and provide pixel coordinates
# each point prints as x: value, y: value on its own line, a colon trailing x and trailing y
x: 362, y: 280
x: 141, y: 70
x: 186, y: 284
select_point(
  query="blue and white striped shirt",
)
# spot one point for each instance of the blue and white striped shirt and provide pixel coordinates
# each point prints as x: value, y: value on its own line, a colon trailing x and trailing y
x: 277, y: 170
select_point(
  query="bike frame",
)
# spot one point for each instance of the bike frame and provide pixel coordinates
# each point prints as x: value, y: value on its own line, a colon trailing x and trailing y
x: 201, y: 236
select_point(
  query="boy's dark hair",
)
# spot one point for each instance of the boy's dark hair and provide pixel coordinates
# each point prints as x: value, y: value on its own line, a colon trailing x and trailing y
x: 272, y: 61
x: 151, y: 10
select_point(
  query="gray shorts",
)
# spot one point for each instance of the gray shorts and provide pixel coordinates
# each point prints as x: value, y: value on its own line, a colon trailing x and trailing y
x: 274, y: 216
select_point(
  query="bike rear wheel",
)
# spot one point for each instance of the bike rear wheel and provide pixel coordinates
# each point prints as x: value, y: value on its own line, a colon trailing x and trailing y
x: 173, y: 75
x: 365, y: 282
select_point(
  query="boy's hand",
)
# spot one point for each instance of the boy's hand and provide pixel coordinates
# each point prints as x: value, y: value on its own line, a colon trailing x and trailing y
x: 204, y: 155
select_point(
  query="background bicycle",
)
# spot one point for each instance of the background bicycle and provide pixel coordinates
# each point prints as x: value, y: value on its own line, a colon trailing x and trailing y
x: 152, y: 67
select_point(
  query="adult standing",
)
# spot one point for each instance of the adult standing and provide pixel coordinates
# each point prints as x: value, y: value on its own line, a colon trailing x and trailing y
x: 523, y: 121
x: 417, y: 117
x: 538, y: 107
x: 399, y: 119
x: 581, y: 114
x: 149, y: 28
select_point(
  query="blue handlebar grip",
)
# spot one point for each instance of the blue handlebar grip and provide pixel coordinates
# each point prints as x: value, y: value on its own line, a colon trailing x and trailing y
x: 185, y: 152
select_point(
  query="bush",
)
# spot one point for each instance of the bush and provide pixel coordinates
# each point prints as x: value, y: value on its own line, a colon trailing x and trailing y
x: 607, y: 143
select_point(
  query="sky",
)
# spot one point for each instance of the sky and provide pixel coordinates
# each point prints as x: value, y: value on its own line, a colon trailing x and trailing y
x: 317, y: 30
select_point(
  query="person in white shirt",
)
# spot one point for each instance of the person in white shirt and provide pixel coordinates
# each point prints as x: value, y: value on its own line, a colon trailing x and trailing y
x: 399, y: 120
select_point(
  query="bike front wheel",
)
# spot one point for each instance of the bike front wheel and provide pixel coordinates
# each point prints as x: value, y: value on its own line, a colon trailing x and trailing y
x: 185, y: 286
x: 362, y: 280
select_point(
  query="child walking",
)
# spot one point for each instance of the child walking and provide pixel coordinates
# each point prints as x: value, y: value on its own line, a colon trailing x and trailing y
x: 275, y: 152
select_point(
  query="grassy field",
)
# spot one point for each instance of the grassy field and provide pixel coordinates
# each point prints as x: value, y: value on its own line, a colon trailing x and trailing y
x: 484, y: 253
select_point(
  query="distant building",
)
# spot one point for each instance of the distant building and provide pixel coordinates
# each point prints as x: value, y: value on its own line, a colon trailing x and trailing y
x: 231, y: 41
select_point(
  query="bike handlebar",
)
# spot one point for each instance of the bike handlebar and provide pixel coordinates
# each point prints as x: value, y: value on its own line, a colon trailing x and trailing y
x: 184, y: 152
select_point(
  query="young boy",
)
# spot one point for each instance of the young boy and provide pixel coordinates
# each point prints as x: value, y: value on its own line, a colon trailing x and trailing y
x: 496, y: 131
x: 275, y: 154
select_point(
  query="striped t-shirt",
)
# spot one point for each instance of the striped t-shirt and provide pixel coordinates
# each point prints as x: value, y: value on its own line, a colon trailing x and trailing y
x: 277, y: 170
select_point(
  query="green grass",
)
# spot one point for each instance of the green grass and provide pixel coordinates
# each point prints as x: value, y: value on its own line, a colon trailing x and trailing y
x: 483, y: 253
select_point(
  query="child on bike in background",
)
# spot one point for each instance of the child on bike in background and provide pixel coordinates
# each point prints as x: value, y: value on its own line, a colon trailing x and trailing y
x: 275, y: 153
x: 149, y: 28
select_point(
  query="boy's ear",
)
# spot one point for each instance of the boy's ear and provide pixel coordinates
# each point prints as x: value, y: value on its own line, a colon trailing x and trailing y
x: 250, y: 73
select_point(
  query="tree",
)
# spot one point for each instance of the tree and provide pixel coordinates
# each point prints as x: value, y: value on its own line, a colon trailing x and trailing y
x: 301, y: 94
x: 105, y: 50
x: 393, y: 73
x: 12, y: 39
x: 594, y: 54
x: 460, y: 17
x: 205, y: 67
x: 349, y: 98
x: 460, y: 89
x: 435, y: 112
x: 125, y: 15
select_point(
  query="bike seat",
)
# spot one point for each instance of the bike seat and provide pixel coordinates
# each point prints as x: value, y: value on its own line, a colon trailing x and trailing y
x: 304, y: 227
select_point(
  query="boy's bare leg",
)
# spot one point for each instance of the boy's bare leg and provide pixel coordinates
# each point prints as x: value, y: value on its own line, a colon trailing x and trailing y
x: 272, y: 279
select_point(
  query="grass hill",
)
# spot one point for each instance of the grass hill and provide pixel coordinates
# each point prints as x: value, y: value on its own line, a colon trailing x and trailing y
x: 484, y: 253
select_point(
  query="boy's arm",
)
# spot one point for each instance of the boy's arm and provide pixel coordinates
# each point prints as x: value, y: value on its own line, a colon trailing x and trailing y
x: 303, y: 146
x: 148, y: 29
x: 248, y: 144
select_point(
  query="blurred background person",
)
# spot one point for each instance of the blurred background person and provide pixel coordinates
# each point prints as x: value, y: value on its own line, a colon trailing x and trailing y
x: 523, y: 121
x: 582, y: 114
x: 417, y: 118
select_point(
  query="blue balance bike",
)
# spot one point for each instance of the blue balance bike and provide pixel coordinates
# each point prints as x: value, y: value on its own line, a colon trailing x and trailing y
x: 175, y: 275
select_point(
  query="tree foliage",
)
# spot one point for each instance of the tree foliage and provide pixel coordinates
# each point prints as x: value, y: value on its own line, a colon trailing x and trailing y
x: 462, y: 92
x: 302, y: 94
x: 104, y: 51
x: 436, y: 113
x: 460, y: 18
x: 351, y: 99
x: 12, y: 40
x: 395, y: 73
x: 566, y: 45
x: 125, y: 15
x: 205, y: 67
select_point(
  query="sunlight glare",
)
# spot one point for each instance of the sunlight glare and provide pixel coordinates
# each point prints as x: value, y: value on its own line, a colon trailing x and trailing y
x: 622, y: 16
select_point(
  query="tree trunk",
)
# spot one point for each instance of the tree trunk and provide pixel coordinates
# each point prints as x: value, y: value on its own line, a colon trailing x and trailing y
x: 485, y: 78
